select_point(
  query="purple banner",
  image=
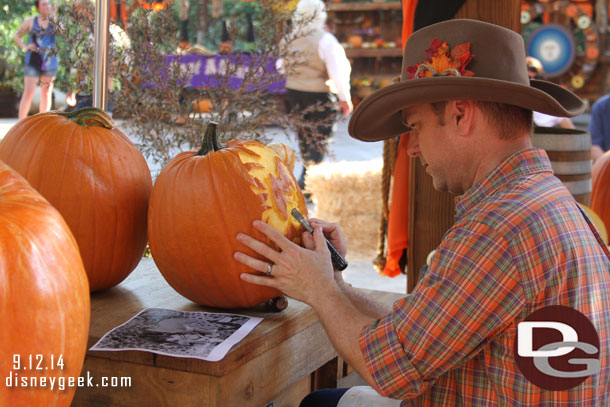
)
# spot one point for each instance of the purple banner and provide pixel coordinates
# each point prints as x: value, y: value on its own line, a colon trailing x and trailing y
x: 210, y: 72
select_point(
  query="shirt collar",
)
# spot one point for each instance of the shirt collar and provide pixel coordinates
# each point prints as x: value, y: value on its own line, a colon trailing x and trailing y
x: 525, y: 162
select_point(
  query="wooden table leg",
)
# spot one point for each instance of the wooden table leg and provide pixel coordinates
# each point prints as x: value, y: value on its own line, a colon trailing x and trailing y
x: 326, y: 376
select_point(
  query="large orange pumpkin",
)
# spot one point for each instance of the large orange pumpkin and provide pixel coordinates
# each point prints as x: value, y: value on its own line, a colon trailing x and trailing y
x: 97, y: 179
x: 202, y: 200
x: 600, y: 192
x: 44, y: 298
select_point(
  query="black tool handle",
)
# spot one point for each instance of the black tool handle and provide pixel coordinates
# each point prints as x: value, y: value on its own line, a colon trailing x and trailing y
x: 338, y: 261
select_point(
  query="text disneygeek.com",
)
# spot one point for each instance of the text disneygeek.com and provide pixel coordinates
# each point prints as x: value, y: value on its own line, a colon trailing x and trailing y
x: 16, y: 380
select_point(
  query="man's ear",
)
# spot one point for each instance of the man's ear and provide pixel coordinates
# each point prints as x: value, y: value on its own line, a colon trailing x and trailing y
x: 461, y: 114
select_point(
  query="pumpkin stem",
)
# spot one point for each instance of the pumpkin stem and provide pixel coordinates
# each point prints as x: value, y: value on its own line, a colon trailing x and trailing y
x: 90, y: 116
x: 210, y: 140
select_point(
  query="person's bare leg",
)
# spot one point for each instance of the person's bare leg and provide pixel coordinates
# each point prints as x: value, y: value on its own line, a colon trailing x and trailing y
x: 29, y: 88
x: 46, y: 91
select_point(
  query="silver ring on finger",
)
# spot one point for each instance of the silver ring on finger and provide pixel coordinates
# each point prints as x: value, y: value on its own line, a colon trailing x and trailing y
x: 269, y: 267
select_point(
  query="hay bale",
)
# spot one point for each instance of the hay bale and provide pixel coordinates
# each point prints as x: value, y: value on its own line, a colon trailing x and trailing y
x: 349, y: 193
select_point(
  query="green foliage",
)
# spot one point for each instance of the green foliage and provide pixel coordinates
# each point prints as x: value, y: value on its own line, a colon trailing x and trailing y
x: 13, y: 14
x: 11, y: 17
x: 151, y: 94
x: 66, y: 42
x: 75, y: 43
x: 235, y: 12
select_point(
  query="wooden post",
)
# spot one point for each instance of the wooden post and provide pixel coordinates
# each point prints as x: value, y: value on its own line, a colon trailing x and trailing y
x: 326, y: 376
x: 100, y: 77
x: 601, y: 11
x: 431, y: 212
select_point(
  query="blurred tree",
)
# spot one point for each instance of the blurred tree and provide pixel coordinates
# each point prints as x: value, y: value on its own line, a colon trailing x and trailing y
x: 203, y: 20
x: 153, y: 91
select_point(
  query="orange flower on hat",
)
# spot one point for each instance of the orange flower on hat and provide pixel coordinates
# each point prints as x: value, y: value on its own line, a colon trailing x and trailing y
x: 443, y: 61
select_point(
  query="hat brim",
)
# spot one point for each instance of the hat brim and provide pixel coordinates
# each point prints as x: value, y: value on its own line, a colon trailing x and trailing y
x: 378, y: 116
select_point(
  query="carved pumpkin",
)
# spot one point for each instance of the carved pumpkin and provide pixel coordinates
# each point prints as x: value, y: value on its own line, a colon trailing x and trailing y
x: 225, y: 47
x: 600, y: 192
x: 95, y: 177
x: 202, y: 200
x: 286, y: 154
x: 355, y: 41
x: 203, y: 105
x: 44, y: 297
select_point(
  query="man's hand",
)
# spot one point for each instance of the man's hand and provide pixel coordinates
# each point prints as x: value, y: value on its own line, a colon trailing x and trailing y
x: 305, y: 274
x: 345, y: 107
x: 332, y: 231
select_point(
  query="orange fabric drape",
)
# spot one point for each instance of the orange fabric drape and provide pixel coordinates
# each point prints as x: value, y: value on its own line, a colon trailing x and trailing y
x: 408, y: 18
x: 122, y: 16
x: 149, y: 5
x: 398, y: 224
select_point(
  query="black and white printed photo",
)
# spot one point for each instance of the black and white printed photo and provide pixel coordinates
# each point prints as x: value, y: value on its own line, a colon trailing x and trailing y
x: 202, y: 335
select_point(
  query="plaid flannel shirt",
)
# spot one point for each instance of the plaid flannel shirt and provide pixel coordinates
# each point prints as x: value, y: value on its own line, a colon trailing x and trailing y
x: 519, y: 243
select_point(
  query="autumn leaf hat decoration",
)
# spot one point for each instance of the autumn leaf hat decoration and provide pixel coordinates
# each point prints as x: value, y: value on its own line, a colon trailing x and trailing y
x: 441, y: 61
x: 459, y: 60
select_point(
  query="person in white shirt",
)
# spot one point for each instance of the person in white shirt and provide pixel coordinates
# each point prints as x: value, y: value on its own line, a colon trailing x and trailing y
x: 319, y: 74
x: 544, y: 120
x: 535, y: 70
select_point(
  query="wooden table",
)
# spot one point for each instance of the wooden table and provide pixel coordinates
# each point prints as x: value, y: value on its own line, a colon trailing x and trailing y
x: 285, y: 357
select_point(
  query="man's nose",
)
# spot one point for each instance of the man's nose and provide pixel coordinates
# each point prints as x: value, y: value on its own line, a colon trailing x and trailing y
x: 413, y: 145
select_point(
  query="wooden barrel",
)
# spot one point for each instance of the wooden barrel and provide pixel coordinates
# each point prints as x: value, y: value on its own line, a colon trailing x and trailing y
x: 570, y: 153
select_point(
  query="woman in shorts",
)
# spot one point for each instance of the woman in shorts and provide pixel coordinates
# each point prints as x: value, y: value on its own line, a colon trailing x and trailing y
x: 40, y: 58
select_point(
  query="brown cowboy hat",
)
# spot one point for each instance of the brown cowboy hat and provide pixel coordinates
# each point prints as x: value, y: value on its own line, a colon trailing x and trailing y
x: 498, y: 69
